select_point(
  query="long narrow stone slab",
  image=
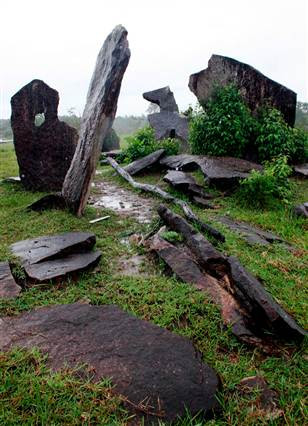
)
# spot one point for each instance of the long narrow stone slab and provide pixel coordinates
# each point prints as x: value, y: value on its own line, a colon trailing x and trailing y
x: 158, y: 372
x: 8, y: 287
x: 57, y: 268
x: 186, y: 183
x: 143, y: 163
x: 46, y: 248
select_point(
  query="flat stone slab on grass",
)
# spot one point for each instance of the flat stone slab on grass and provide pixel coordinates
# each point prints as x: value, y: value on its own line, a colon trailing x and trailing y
x: 156, y: 370
x: 301, y: 170
x: 48, y: 247
x: 186, y: 183
x: 57, y: 268
x: 8, y: 287
x: 143, y: 163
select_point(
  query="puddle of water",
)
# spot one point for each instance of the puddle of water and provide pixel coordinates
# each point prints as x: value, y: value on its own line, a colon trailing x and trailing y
x: 124, y: 202
x: 132, y: 266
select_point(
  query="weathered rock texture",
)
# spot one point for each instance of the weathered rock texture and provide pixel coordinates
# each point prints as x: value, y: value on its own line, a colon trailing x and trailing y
x: 44, y: 153
x: 223, y: 172
x: 163, y: 97
x: 301, y: 210
x: 255, y: 87
x: 8, y: 287
x: 47, y: 258
x: 245, y: 305
x: 186, y: 183
x: 144, y: 162
x: 157, y: 371
x: 167, y: 123
x: 97, y: 117
x: 301, y: 170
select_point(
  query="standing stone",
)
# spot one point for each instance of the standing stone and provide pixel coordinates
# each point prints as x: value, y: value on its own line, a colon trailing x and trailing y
x: 44, y: 153
x: 97, y: 117
x: 111, y: 141
x: 163, y: 97
x: 255, y: 87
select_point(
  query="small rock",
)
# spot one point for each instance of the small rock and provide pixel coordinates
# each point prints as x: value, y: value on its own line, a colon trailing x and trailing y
x: 301, y: 210
x: 8, y: 287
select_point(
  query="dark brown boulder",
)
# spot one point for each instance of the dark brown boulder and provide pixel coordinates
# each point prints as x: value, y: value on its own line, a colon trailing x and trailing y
x: 255, y: 87
x: 44, y: 153
x: 8, y: 287
x: 157, y: 371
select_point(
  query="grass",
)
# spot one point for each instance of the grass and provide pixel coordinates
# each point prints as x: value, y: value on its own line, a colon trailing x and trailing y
x: 31, y: 394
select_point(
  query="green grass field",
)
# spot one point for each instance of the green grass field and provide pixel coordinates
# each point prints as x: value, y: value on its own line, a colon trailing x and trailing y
x: 31, y: 395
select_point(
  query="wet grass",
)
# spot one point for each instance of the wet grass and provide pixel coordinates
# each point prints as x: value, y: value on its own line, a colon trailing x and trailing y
x: 31, y: 394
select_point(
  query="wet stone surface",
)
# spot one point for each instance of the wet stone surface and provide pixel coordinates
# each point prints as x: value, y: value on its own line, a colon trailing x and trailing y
x: 123, y: 201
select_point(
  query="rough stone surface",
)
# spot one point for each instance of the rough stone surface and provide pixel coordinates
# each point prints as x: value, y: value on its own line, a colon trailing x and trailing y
x: 255, y: 87
x: 156, y: 370
x: 252, y: 234
x: 144, y: 162
x: 40, y: 249
x: 186, y: 183
x: 8, y: 287
x: 111, y: 141
x: 97, y: 119
x: 186, y: 162
x: 301, y: 210
x: 263, y: 308
x: 162, y: 97
x: 50, y: 201
x: 59, y: 268
x: 44, y: 153
x: 168, y: 124
x: 225, y: 172
x: 301, y: 170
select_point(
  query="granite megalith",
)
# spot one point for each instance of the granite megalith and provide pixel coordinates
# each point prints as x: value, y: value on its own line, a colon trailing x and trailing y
x: 44, y: 153
x: 97, y: 118
x: 162, y: 97
x: 255, y: 87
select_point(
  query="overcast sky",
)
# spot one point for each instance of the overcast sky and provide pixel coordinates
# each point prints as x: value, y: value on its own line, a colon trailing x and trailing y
x: 58, y: 42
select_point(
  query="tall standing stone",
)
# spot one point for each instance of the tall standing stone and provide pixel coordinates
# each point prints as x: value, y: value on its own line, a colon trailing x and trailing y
x: 44, y: 153
x: 255, y: 87
x: 97, y: 117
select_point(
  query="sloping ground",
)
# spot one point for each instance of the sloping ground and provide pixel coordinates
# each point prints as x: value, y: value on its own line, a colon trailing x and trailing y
x: 31, y: 394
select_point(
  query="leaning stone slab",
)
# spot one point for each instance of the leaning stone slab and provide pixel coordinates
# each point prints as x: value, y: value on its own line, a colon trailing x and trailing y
x: 44, y: 153
x: 162, y: 97
x: 255, y: 87
x: 97, y: 118
x: 144, y: 163
x: 8, y: 287
x: 46, y: 248
x: 156, y: 371
x: 59, y: 268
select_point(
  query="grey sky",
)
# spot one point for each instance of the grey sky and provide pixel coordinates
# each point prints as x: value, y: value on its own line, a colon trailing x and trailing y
x: 58, y: 42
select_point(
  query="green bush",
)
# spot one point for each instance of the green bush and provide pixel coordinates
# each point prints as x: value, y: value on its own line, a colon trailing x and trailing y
x: 262, y: 189
x: 275, y: 137
x: 224, y: 126
x: 143, y: 142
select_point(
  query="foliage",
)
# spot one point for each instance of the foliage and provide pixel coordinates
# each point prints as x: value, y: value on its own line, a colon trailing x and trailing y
x: 261, y: 189
x: 276, y: 138
x: 143, y: 143
x: 301, y: 121
x: 172, y: 236
x: 225, y: 125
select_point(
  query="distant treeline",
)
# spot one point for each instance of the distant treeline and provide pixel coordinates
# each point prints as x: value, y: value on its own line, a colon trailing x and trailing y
x: 122, y: 125
x: 130, y: 123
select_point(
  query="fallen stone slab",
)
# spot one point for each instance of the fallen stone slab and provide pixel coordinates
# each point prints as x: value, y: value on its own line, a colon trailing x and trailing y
x: 162, y: 97
x: 12, y: 179
x: 59, y: 268
x: 8, y: 287
x: 144, y: 163
x: 301, y: 210
x: 201, y: 202
x: 252, y: 234
x: 49, y: 201
x: 186, y: 183
x: 185, y: 162
x: 168, y: 124
x: 40, y: 249
x: 256, y: 88
x: 301, y: 170
x: 264, y: 310
x: 44, y: 153
x: 226, y: 172
x: 158, y: 373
